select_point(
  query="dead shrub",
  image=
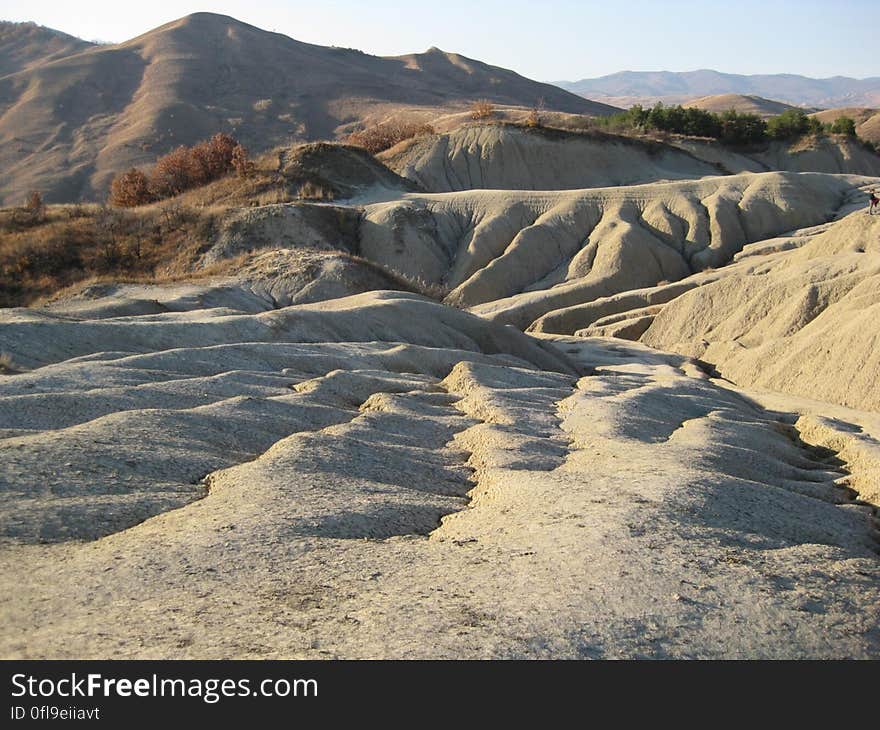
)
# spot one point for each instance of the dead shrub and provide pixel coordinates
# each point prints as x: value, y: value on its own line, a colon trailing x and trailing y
x: 314, y: 191
x: 35, y: 205
x: 32, y: 213
x: 482, y: 109
x: 535, y: 117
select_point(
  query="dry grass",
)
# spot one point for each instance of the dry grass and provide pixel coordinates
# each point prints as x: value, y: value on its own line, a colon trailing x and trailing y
x: 154, y: 243
x: 384, y: 136
x: 313, y: 191
x: 7, y: 365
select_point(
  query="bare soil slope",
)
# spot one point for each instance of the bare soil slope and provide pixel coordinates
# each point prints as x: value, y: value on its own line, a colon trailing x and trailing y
x: 504, y: 156
x: 800, y: 321
x: 67, y: 126
x: 346, y: 479
x: 25, y: 45
x: 508, y: 157
x: 515, y: 255
x: 867, y: 120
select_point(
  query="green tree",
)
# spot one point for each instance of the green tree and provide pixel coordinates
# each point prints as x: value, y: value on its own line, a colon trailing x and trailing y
x: 742, y: 129
x: 844, y: 125
x: 790, y: 124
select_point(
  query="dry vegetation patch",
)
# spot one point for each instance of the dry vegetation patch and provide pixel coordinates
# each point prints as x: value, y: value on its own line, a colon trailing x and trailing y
x: 381, y: 137
x: 73, y: 244
x: 184, y: 168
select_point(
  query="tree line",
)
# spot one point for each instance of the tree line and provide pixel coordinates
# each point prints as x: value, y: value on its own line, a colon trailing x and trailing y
x: 730, y: 127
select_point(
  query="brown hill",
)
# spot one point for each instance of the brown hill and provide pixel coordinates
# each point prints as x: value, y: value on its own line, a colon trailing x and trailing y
x: 742, y: 103
x: 25, y: 45
x: 867, y: 120
x: 67, y: 126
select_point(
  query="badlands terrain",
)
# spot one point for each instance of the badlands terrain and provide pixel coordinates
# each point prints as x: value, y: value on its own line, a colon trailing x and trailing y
x: 515, y: 392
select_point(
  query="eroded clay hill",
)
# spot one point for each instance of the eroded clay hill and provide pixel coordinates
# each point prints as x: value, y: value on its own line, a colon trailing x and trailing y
x: 514, y: 256
x: 347, y: 478
x: 801, y: 321
x: 283, y: 462
x: 515, y: 157
x: 793, y: 313
x: 511, y: 157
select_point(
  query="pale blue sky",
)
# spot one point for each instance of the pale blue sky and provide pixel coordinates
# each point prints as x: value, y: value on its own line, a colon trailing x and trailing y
x: 559, y: 39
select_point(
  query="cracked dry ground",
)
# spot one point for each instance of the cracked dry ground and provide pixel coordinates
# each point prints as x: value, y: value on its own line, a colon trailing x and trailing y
x: 396, y: 499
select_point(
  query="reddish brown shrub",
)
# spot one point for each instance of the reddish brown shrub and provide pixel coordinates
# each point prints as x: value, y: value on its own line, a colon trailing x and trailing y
x: 172, y: 174
x: 190, y: 167
x: 180, y: 170
x: 34, y: 203
x: 130, y: 189
x: 212, y: 159
x: 241, y: 162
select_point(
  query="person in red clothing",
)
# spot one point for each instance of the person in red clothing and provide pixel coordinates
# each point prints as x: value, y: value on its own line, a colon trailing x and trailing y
x: 874, y: 200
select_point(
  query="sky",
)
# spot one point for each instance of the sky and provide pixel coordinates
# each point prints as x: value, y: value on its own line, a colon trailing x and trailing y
x: 549, y: 41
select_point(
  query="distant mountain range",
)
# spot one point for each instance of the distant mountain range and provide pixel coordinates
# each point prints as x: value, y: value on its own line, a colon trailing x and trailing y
x: 647, y: 87
x: 74, y: 113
